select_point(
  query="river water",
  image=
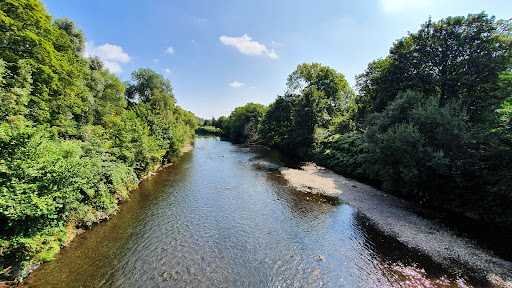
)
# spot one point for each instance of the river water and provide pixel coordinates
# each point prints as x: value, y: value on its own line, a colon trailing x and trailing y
x: 216, y: 219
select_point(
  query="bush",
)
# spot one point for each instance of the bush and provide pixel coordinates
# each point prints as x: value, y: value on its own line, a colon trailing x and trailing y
x: 414, y: 145
x: 342, y: 153
x: 208, y: 130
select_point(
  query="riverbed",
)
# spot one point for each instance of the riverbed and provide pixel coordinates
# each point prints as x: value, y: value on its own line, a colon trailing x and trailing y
x: 224, y: 216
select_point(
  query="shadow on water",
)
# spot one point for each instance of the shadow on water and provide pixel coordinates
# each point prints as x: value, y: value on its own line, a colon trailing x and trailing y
x: 222, y: 216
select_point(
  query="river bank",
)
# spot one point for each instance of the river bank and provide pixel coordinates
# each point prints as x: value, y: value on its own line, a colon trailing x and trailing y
x: 395, y: 217
x: 72, y: 229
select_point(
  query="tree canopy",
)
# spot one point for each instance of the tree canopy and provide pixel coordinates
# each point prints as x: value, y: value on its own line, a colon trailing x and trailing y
x: 454, y: 58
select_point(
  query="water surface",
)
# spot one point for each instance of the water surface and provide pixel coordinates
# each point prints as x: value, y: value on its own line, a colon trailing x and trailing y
x: 216, y: 219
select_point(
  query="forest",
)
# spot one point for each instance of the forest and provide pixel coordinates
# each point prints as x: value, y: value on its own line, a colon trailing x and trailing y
x: 74, y: 138
x: 431, y: 122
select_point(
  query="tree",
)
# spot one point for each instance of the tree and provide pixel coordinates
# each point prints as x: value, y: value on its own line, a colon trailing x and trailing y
x: 243, y: 122
x: 455, y: 58
x: 276, y: 124
x: 75, y: 34
x: 154, y: 104
x: 29, y: 41
x: 375, y: 88
x: 415, y: 143
x: 147, y: 84
x: 333, y: 84
x: 106, y: 90
x: 305, y: 115
x: 220, y: 122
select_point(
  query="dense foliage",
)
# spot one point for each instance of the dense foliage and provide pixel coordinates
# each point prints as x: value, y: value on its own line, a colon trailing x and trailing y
x: 74, y: 139
x: 208, y: 131
x: 430, y: 122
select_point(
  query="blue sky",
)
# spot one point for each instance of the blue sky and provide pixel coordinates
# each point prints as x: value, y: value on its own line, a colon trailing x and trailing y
x: 223, y: 54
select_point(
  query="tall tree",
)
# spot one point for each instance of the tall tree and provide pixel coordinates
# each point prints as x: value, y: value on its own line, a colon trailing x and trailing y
x: 305, y: 115
x: 335, y: 88
x: 29, y: 40
x: 277, y: 122
x: 456, y: 57
x: 244, y: 121
x: 146, y: 84
x: 75, y: 34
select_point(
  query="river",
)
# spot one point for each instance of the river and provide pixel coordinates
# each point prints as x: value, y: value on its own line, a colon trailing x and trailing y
x: 215, y: 219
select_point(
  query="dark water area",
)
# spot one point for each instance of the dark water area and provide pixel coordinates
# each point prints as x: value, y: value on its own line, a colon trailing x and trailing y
x: 216, y: 218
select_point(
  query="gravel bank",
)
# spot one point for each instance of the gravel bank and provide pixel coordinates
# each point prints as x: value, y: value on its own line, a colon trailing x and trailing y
x: 393, y: 216
x: 187, y: 148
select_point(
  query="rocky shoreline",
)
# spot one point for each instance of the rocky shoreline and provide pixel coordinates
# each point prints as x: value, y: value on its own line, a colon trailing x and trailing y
x: 395, y: 217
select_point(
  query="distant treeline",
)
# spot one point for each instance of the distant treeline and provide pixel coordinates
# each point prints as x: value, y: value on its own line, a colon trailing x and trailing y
x: 74, y: 139
x: 430, y: 122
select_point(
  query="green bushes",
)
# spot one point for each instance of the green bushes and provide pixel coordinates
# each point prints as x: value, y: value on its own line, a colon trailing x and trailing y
x: 344, y: 153
x: 414, y: 143
x: 47, y: 182
x: 208, y: 130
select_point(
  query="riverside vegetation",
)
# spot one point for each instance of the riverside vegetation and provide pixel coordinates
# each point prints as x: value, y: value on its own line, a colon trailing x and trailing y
x: 74, y: 139
x: 430, y: 122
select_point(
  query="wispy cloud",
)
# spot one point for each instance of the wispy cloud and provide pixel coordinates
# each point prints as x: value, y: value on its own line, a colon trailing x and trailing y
x: 199, y: 20
x: 170, y: 50
x: 397, y: 6
x: 247, y: 46
x: 237, y: 84
x: 111, y: 55
x: 156, y: 60
x: 168, y: 71
x: 272, y: 54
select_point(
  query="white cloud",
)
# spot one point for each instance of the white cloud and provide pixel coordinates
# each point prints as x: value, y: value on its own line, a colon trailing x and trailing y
x: 397, y: 6
x: 156, y: 60
x: 236, y: 84
x: 109, y: 52
x: 169, y: 50
x: 272, y: 54
x: 113, y: 67
x: 111, y: 55
x: 168, y: 71
x: 246, y: 46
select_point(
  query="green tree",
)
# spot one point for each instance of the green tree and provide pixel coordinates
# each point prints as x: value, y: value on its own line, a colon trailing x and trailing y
x: 375, y: 88
x: 154, y: 104
x: 75, y: 34
x: 106, y: 93
x: 415, y: 144
x: 304, y: 115
x: 335, y: 88
x: 455, y: 58
x: 275, y: 127
x: 30, y: 40
x: 220, y: 122
x: 147, y: 84
x: 243, y: 123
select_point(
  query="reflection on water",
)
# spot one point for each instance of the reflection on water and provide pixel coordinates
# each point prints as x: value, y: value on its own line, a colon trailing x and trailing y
x: 215, y: 219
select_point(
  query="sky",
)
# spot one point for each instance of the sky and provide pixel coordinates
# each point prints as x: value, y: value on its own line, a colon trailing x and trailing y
x: 219, y: 55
